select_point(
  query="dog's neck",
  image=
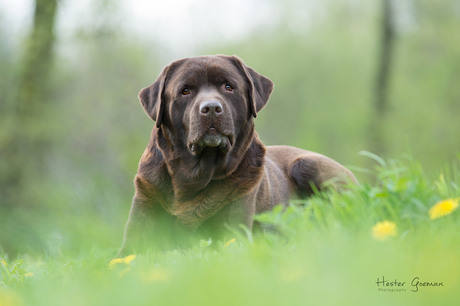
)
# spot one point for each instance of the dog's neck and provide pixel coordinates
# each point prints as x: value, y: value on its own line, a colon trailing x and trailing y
x: 242, y: 165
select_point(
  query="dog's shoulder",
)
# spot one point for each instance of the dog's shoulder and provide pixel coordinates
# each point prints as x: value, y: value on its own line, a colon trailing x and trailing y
x: 152, y: 168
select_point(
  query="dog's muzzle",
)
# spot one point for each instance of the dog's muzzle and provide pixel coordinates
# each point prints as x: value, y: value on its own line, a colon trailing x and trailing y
x: 213, y: 139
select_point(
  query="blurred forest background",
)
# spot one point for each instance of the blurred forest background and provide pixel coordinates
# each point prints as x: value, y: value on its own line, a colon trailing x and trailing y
x: 379, y: 75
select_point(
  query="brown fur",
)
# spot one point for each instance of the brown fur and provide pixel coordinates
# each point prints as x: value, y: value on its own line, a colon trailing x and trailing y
x: 205, y: 166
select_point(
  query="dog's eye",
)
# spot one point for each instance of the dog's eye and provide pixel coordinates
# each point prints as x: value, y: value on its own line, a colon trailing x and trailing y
x: 228, y: 87
x: 185, y: 91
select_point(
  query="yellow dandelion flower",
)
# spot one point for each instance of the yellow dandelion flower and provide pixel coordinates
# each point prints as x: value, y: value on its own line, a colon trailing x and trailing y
x: 29, y: 274
x: 115, y: 262
x: 443, y: 208
x: 384, y: 230
x: 10, y: 298
x: 226, y: 244
x: 129, y: 258
x: 125, y: 260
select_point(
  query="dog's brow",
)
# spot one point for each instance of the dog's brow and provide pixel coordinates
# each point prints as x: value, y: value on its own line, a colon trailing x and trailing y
x: 192, y: 77
x: 222, y: 76
x: 188, y: 80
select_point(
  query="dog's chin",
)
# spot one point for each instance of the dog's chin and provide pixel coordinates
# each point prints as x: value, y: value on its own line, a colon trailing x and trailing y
x: 211, y: 139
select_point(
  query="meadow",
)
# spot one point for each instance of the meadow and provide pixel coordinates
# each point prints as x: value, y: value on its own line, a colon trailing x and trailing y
x: 393, y: 242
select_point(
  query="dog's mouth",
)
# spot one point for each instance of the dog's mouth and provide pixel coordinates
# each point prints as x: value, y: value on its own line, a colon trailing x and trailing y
x: 212, y: 138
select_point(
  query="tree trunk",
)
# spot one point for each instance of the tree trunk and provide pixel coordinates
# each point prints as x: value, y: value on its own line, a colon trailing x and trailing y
x: 37, y: 62
x: 22, y: 152
x: 385, y: 62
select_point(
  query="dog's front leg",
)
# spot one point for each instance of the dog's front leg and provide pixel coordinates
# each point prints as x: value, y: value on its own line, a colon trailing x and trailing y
x: 149, y: 226
x: 241, y: 214
x: 139, y: 227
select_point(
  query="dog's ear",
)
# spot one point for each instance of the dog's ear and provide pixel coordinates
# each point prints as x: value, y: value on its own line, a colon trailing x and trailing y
x: 152, y: 98
x: 260, y: 87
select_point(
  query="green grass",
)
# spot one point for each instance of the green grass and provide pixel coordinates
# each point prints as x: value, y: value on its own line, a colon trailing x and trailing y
x: 325, y: 254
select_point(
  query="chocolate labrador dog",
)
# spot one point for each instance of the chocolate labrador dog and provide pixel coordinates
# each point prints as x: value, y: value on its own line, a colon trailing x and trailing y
x: 205, y: 167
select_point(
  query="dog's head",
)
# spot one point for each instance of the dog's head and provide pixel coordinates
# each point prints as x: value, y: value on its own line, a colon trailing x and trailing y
x: 206, y: 102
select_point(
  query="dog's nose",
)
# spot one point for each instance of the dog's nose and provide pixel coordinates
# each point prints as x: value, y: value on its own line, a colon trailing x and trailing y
x: 211, y: 108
